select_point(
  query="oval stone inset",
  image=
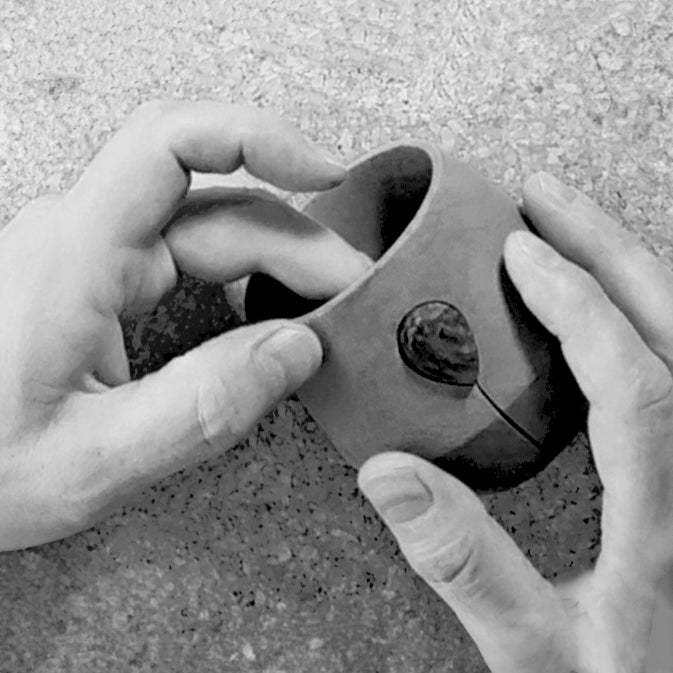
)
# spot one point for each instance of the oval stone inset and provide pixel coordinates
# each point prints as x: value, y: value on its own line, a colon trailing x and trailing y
x: 436, y: 341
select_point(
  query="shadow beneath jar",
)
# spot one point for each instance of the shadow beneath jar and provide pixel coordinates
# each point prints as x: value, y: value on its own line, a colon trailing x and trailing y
x: 189, y: 314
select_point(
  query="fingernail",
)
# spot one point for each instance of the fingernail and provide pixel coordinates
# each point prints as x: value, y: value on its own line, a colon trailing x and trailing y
x: 535, y: 248
x: 352, y: 269
x: 292, y: 354
x: 554, y: 191
x: 399, y: 496
x: 364, y: 259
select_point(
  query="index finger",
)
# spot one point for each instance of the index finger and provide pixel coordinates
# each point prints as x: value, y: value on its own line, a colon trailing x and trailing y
x: 634, y: 279
x: 630, y: 391
x: 137, y: 180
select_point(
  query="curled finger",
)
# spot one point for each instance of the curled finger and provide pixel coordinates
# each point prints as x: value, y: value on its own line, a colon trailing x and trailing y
x: 632, y: 277
x: 630, y: 391
x: 223, y: 234
x: 133, y: 186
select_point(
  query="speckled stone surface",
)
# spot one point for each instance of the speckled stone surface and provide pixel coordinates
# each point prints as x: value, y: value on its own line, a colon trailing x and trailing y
x: 268, y: 560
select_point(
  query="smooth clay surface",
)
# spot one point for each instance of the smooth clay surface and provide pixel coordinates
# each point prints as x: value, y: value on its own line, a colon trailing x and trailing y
x: 439, y: 229
x: 268, y: 560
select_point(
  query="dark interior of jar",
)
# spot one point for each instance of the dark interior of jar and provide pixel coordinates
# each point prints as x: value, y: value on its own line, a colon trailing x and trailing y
x: 370, y: 209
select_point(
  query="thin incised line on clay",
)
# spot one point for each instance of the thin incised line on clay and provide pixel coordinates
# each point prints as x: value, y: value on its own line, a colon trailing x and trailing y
x: 508, y: 419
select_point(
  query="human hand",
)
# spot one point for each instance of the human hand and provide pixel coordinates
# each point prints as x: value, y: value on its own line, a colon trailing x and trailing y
x: 77, y: 434
x: 610, y: 303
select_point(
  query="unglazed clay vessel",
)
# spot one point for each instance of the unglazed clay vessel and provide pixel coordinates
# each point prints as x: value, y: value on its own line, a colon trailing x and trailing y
x: 432, y: 351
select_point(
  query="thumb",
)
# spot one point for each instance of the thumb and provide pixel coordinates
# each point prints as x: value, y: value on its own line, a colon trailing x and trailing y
x: 199, y: 404
x: 514, y: 616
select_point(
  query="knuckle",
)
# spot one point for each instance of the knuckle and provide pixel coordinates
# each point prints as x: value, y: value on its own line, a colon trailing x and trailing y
x: 208, y: 429
x: 78, y: 506
x: 650, y: 385
x: 156, y: 119
x: 456, y: 562
x: 246, y: 112
x: 221, y: 419
x: 152, y: 111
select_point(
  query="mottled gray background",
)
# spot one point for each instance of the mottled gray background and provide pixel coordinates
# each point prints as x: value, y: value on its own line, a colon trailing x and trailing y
x: 268, y: 560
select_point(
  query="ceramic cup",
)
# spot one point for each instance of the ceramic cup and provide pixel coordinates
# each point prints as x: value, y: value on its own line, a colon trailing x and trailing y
x: 432, y: 351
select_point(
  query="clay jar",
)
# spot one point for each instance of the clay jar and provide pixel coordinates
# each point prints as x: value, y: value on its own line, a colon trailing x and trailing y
x: 433, y: 351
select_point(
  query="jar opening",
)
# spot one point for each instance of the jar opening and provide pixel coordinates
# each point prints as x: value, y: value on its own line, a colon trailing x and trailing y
x: 370, y: 209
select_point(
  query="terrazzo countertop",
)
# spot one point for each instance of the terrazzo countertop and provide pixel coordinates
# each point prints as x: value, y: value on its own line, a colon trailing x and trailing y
x: 268, y: 560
